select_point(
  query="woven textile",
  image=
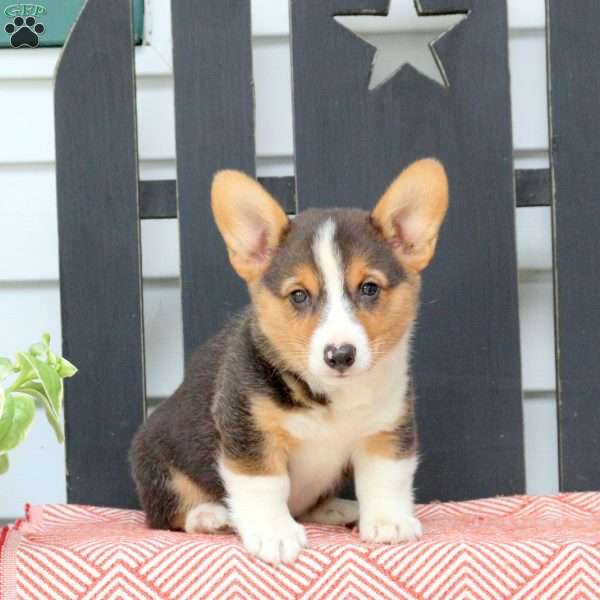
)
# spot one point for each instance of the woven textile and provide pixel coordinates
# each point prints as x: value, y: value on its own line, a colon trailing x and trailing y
x: 517, y: 547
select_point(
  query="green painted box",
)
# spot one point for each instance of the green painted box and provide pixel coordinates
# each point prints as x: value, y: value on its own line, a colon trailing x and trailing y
x: 48, y: 22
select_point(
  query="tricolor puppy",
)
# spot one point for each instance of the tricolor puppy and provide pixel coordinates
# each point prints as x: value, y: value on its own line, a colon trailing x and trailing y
x: 310, y: 383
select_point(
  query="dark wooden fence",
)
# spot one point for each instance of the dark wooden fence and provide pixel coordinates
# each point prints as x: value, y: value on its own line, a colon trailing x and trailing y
x: 349, y: 143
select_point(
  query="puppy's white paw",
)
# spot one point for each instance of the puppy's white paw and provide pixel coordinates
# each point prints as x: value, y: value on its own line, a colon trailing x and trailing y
x: 208, y: 517
x: 281, y: 542
x: 389, y: 530
x: 333, y: 511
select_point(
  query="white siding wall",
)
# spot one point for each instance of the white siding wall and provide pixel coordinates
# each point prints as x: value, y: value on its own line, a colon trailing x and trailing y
x: 29, y: 298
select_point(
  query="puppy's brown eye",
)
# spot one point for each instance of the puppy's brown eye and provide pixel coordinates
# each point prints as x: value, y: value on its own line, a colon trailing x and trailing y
x: 369, y: 289
x: 299, y: 297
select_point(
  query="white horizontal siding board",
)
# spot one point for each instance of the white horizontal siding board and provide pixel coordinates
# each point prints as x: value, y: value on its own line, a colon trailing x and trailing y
x: 156, y: 118
x: 164, y: 339
x: 27, y: 311
x: 273, y: 98
x: 160, y: 249
x: 23, y: 64
x: 271, y: 18
x: 265, y: 167
x: 541, y: 444
x: 29, y: 240
x: 534, y: 239
x: 527, y: 55
x: 536, y: 310
x: 29, y: 132
x: 527, y: 14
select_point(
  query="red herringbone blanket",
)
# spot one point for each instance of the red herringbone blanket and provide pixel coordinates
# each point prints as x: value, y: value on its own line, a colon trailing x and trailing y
x: 519, y: 547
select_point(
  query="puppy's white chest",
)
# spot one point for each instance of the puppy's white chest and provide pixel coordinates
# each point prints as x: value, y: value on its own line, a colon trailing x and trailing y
x: 328, y: 436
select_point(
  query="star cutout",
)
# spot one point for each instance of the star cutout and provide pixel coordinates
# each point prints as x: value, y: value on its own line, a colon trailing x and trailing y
x: 401, y: 38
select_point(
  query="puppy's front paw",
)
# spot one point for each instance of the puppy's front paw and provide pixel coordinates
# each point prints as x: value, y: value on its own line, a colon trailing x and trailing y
x: 389, y: 530
x: 280, y: 542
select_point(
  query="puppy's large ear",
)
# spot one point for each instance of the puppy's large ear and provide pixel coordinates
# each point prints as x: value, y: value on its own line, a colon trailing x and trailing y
x: 250, y: 221
x: 412, y: 210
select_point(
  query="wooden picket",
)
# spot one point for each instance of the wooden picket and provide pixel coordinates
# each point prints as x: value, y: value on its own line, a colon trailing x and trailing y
x: 100, y: 258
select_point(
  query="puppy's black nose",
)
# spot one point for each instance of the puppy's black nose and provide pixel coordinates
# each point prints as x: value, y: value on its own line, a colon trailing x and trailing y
x: 340, y: 358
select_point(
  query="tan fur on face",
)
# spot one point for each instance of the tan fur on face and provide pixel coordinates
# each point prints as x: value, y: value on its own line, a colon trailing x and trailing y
x: 304, y: 277
x: 277, y: 442
x: 396, y: 309
x: 288, y: 330
x: 358, y: 272
x: 189, y: 495
x: 392, y: 318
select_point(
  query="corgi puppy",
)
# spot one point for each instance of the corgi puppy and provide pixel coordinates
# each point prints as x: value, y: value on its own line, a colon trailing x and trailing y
x: 310, y: 383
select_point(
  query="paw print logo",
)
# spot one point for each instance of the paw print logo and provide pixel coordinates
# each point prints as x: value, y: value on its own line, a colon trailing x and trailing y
x: 24, y: 33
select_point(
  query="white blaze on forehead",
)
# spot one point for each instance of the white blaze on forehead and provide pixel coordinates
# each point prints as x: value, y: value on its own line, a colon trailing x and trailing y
x: 329, y: 261
x: 338, y: 324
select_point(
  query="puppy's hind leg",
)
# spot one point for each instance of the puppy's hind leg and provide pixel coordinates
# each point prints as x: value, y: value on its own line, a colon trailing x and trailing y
x: 207, y: 517
x: 332, y: 511
x: 197, y: 510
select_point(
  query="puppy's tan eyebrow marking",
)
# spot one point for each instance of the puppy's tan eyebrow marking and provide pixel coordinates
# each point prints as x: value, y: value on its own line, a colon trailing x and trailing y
x: 358, y: 271
x: 305, y: 277
x: 377, y: 276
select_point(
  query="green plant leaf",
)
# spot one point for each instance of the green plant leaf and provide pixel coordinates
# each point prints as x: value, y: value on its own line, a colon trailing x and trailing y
x: 36, y: 390
x: 38, y: 349
x: 22, y: 410
x: 39, y: 376
x: 53, y: 360
x: 6, y: 414
x: 6, y: 368
x: 56, y: 426
x: 49, y: 379
x: 26, y: 372
x: 66, y: 369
